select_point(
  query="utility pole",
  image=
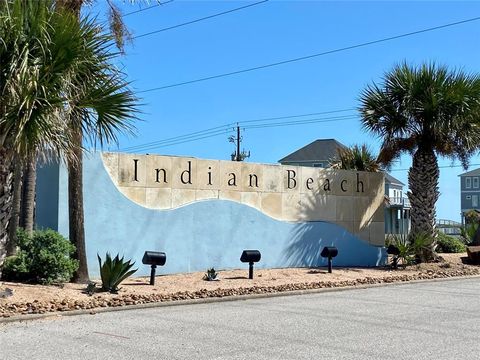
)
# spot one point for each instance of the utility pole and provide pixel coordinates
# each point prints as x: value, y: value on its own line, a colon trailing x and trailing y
x: 238, y: 155
x: 239, y: 140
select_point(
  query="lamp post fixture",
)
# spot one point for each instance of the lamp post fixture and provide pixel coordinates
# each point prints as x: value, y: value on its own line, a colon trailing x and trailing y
x: 329, y: 252
x: 250, y: 256
x: 154, y: 258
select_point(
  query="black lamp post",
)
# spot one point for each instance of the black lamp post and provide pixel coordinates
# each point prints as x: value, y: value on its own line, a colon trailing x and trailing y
x: 250, y: 256
x: 329, y: 252
x: 154, y: 258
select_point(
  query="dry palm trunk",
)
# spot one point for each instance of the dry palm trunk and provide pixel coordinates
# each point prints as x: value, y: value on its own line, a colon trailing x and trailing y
x: 75, y: 207
x: 29, y: 192
x: 11, y: 245
x: 423, y: 183
x: 5, y: 198
x: 75, y: 179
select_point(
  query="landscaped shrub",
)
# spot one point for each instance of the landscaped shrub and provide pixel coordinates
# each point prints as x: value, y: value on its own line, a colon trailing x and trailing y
x: 467, y: 233
x: 113, y: 272
x: 406, y: 250
x: 44, y: 257
x: 16, y: 268
x: 449, y: 244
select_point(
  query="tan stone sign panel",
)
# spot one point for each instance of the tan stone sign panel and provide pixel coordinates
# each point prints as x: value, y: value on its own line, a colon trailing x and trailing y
x: 353, y: 200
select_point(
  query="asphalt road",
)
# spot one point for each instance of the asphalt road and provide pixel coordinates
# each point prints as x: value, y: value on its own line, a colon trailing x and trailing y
x: 436, y: 320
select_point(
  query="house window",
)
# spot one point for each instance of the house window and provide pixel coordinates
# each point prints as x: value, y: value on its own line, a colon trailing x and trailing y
x: 474, y: 200
x: 468, y: 182
x: 468, y: 197
x: 475, y: 182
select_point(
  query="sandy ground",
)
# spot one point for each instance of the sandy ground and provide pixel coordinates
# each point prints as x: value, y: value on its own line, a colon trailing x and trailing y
x: 72, y: 296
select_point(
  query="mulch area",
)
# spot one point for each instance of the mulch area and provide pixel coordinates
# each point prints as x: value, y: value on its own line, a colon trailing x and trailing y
x: 25, y: 299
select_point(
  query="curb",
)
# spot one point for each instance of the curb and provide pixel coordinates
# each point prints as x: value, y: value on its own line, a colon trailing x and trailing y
x: 57, y: 315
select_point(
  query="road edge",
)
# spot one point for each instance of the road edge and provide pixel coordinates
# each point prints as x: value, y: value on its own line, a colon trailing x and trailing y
x: 57, y: 315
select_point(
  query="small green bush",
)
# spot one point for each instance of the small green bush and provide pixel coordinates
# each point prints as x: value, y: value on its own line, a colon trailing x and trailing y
x: 113, y: 272
x: 44, y: 257
x: 467, y: 233
x: 449, y: 244
x: 16, y: 268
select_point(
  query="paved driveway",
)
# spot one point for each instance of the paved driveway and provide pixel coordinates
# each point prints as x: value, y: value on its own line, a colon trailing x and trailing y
x: 436, y: 320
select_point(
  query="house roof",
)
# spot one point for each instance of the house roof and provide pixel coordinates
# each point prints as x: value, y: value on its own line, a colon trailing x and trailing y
x: 321, y: 150
x: 475, y: 172
x: 391, y: 180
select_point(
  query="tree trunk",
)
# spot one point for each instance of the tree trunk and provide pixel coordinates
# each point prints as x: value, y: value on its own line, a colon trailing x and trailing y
x: 5, y: 198
x: 423, y: 195
x: 75, y: 179
x: 11, y: 247
x: 29, y: 192
x: 75, y: 207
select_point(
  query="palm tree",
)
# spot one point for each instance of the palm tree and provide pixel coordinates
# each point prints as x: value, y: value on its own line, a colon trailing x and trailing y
x: 427, y: 111
x: 92, y: 95
x: 101, y: 106
x: 117, y: 111
x: 357, y: 157
x: 38, y: 51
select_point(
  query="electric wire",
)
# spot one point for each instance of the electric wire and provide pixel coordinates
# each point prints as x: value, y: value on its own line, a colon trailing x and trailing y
x: 346, y: 48
x: 201, y: 132
x: 198, y: 20
x: 302, y: 122
x: 181, y: 137
x: 148, y: 8
x: 440, y: 167
x: 296, y: 116
x: 151, y: 147
x: 229, y: 128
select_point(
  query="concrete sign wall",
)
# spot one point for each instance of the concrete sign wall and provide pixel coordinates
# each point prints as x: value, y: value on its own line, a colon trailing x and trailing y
x: 203, y: 213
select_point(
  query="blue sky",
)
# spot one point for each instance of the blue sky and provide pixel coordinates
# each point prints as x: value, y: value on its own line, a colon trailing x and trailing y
x: 275, y: 31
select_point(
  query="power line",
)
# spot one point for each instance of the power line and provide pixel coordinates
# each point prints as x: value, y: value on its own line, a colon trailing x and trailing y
x: 198, y: 20
x: 148, y: 8
x: 303, y: 122
x: 171, y: 143
x: 207, y: 131
x: 296, y: 116
x: 182, y: 137
x: 226, y: 129
x: 440, y: 167
x: 368, y: 43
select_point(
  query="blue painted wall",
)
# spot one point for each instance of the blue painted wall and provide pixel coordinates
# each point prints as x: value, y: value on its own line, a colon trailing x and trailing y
x: 210, y: 233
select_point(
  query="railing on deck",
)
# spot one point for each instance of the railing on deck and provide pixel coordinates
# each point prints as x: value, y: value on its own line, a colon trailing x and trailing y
x: 399, y: 201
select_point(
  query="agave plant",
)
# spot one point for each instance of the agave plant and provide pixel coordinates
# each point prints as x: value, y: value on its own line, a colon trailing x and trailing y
x: 210, y: 275
x: 113, y: 272
x: 405, y: 254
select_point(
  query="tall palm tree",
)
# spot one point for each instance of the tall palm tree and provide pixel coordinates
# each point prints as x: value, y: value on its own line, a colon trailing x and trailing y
x: 92, y: 94
x: 357, y: 157
x: 78, y: 130
x: 427, y: 111
x: 101, y: 106
x: 38, y: 51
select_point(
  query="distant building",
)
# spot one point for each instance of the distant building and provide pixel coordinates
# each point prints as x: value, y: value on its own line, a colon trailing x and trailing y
x: 397, y: 207
x: 449, y: 227
x: 321, y: 152
x: 316, y: 154
x: 469, y: 192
